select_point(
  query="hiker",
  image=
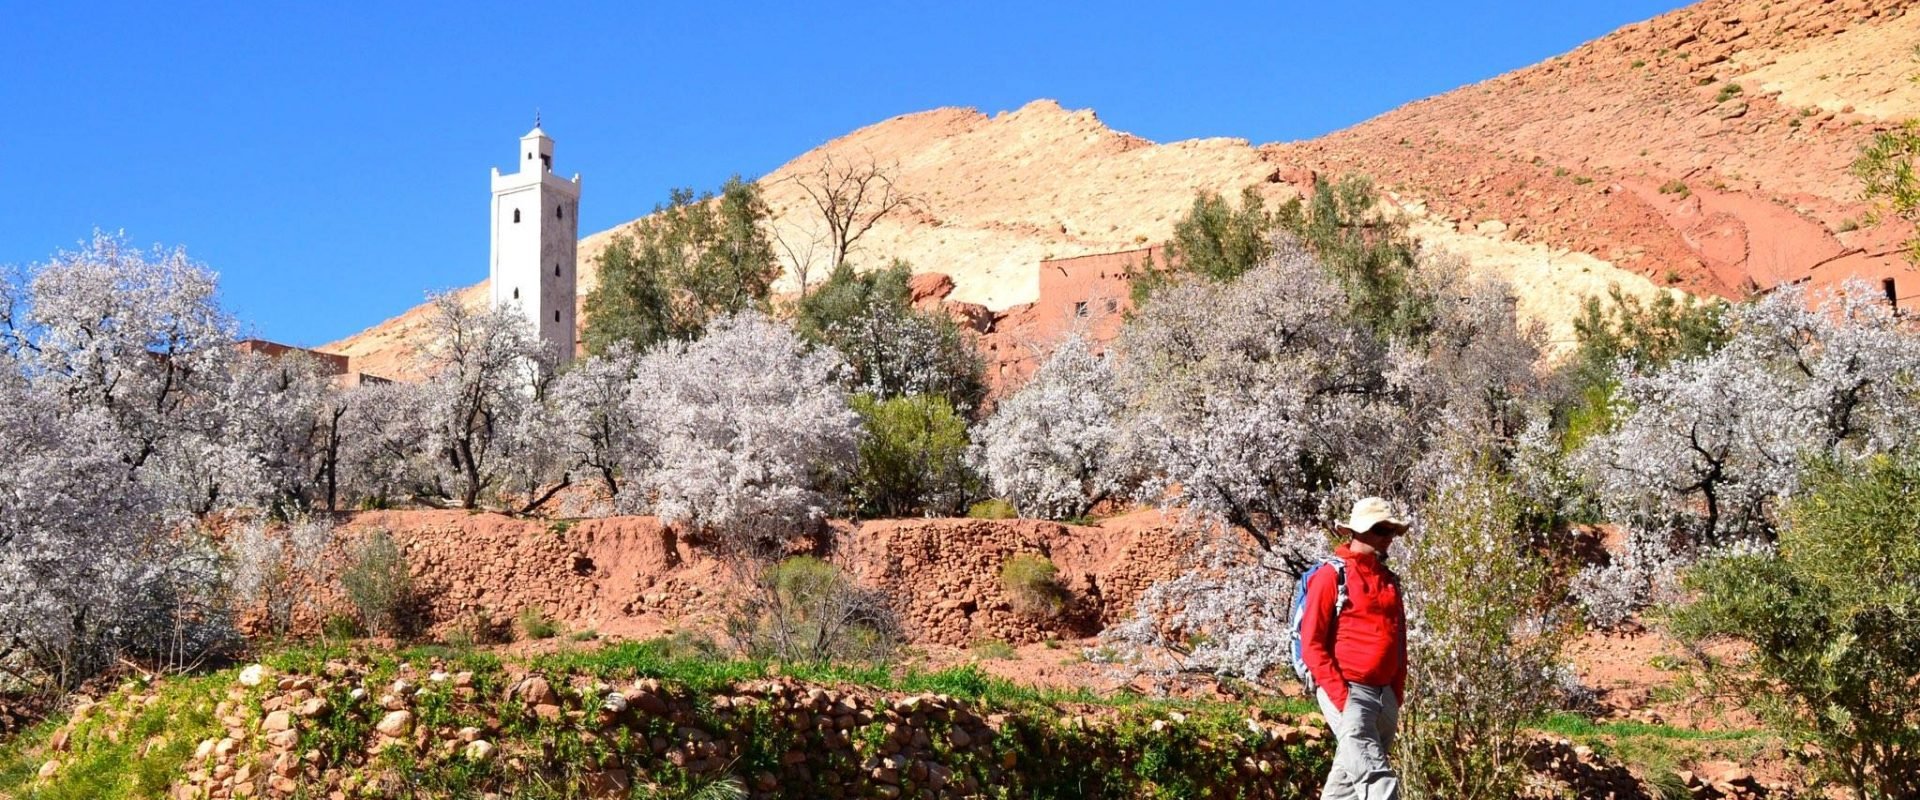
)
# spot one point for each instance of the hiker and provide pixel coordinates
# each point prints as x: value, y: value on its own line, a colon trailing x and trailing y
x: 1356, y: 652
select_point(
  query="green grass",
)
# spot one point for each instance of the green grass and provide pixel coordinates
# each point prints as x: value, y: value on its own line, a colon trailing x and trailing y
x: 1575, y: 726
x: 158, y: 739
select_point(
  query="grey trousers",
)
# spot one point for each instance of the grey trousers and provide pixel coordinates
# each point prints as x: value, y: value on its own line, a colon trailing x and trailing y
x: 1363, y: 734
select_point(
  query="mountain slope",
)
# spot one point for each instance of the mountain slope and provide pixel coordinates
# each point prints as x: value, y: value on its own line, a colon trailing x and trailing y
x: 1632, y: 160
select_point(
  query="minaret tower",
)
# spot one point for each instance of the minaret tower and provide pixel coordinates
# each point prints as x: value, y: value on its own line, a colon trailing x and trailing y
x: 536, y: 228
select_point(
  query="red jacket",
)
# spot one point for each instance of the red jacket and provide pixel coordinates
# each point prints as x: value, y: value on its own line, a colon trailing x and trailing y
x: 1367, y: 643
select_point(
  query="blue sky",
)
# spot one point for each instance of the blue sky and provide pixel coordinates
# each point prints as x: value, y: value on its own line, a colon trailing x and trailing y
x: 330, y: 161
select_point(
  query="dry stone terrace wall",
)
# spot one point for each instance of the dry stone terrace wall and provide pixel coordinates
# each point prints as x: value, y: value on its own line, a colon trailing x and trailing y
x: 629, y: 576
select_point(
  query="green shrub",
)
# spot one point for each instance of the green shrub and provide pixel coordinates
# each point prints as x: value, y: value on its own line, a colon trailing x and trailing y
x: 1675, y: 187
x: 994, y: 508
x: 805, y: 610
x: 340, y: 627
x: 1886, y: 169
x: 1831, y: 623
x: 534, y: 624
x: 1033, y: 582
x: 1727, y: 92
x: 378, y: 584
x: 913, y: 459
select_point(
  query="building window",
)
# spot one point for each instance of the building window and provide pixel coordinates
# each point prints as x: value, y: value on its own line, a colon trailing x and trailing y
x: 557, y: 214
x: 556, y: 270
x: 556, y: 315
x: 516, y: 215
x: 516, y: 292
x: 1893, y: 296
x: 1079, y: 309
x: 546, y: 161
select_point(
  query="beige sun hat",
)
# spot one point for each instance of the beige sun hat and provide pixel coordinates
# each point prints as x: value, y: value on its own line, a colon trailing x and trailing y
x: 1369, y: 512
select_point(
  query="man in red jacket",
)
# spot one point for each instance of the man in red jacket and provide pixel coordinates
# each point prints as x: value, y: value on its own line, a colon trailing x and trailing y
x: 1358, y: 655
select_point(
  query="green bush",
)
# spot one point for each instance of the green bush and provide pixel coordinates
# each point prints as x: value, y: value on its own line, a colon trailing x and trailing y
x: 378, y: 584
x: 805, y: 610
x: 1675, y: 187
x: 1831, y: 623
x: 534, y: 624
x: 1215, y: 240
x: 993, y: 508
x: 1033, y: 582
x: 913, y: 459
x: 1886, y: 169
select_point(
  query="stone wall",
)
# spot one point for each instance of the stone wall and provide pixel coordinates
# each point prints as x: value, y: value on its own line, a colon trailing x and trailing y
x: 629, y: 576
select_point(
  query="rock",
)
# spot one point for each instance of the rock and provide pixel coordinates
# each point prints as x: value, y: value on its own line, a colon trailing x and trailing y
x: 929, y: 288
x: 606, y: 783
x: 253, y: 675
x: 277, y: 721
x: 312, y: 707
x: 478, y: 751
x: 468, y: 734
x: 1732, y: 109
x: 48, y: 769
x: 283, y: 740
x: 535, y: 691
x: 395, y: 724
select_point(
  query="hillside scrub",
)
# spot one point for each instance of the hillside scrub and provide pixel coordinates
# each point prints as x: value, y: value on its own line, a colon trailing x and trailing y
x: 1831, y: 619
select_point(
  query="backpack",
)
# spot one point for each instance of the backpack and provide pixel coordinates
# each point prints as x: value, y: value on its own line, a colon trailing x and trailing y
x: 1339, y: 568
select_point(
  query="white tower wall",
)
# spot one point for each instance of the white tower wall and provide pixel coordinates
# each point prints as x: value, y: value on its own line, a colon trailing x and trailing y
x: 536, y: 231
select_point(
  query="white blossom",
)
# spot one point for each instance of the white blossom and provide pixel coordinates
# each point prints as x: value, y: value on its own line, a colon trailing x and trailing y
x: 744, y: 428
x: 1051, y: 448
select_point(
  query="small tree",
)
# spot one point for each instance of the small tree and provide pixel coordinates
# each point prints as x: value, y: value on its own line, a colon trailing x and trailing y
x: 848, y: 197
x: 378, y: 584
x: 1367, y: 251
x: 1485, y: 628
x: 1215, y: 240
x: 1831, y: 623
x: 803, y: 609
x: 488, y: 373
x: 893, y: 349
x: 748, y: 428
x: 913, y: 457
x: 693, y: 260
x: 1886, y: 170
x: 1052, y: 448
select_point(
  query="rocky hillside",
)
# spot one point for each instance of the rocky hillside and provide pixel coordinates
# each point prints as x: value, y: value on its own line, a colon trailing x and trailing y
x: 1705, y: 149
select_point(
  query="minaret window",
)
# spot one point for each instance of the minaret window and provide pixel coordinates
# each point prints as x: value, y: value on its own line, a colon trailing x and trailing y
x: 516, y: 215
x: 556, y: 270
x: 556, y: 315
x: 557, y: 212
x: 546, y: 161
x: 516, y: 292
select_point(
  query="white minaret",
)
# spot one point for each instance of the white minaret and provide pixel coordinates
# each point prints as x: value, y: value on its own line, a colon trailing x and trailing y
x: 536, y: 227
